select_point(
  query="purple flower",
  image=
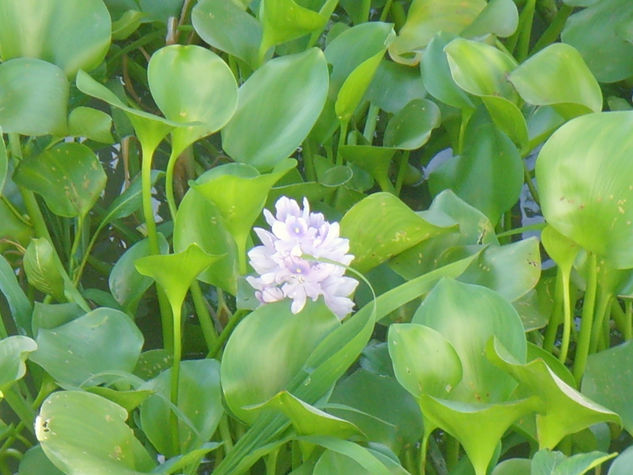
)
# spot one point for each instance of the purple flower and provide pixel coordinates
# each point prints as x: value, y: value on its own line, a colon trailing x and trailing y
x: 297, y: 260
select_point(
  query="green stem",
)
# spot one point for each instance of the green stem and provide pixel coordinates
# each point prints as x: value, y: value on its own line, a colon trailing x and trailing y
x: 466, y: 115
x: 530, y: 183
x: 341, y: 141
x: 204, y: 317
x: 628, y: 312
x: 146, y: 192
x: 73, y: 249
x: 603, y: 303
x: 175, y: 374
x: 530, y: 227
x: 554, y: 29
x: 525, y: 27
x: 226, y: 332
x: 308, y: 161
x: 423, y: 450
x: 370, y: 123
x: 21, y: 407
x: 452, y: 452
x: 225, y: 432
x: 271, y: 462
x: 567, y: 317
x: 586, y: 323
x: 385, y: 10
x: 84, y: 258
x: 169, y: 184
x: 555, y: 318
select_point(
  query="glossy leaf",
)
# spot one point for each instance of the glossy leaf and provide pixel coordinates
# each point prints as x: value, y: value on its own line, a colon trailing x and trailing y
x: 42, y: 267
x: 585, y: 194
x: 239, y: 193
x: 336, y: 462
x: 56, y: 31
x: 285, y: 20
x: 499, y: 17
x: 375, y: 160
x: 19, y: 304
x: 14, y: 351
x: 277, y: 107
x: 69, y: 177
x: 126, y: 284
x: 607, y: 50
x: 216, y: 21
x: 379, y: 406
x: 174, y: 74
x: 48, y: 315
x: 267, y: 350
x: 90, y: 123
x: 546, y: 462
x: 161, y: 10
x: 508, y: 118
x: 563, y: 410
x: 468, y: 316
x: 381, y: 226
x: 199, y: 220
x: 85, y: 433
x: 478, y: 427
x: 622, y: 463
x: 488, y: 174
x: 89, y: 348
x: 394, y: 86
x: 35, y: 461
x: 175, y: 272
x: 511, y: 270
x: 557, y: 75
x: 411, y: 127
x: 608, y: 378
x: 307, y: 419
x: 33, y: 97
x: 513, y: 466
x: 127, y: 202
x: 436, y: 74
x: 480, y: 69
x: 424, y: 362
x: 199, y: 404
x: 426, y: 18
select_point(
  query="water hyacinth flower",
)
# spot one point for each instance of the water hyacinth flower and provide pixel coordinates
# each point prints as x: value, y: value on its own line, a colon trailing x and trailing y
x: 297, y: 260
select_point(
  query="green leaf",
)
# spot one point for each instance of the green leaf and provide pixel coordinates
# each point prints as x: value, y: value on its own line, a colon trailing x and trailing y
x: 511, y: 270
x: 175, y: 272
x: 508, y: 118
x: 267, y: 349
x: 14, y: 351
x: 126, y: 284
x: 426, y: 18
x: 424, y: 362
x: 480, y: 69
x: 277, y: 107
x: 199, y: 220
x: 546, y: 462
x: 622, y: 463
x: 361, y: 455
x: 468, y: 316
x: 239, y: 192
x: 585, y: 193
x: 4, y: 163
x: 375, y: 160
x: 127, y: 24
x: 35, y: 461
x: 33, y: 97
x: 48, y: 315
x: 174, y: 74
x: 357, y: 462
x: 514, y: 466
x: 217, y: 21
x: 285, y: 20
x: 478, y: 427
x: 42, y: 268
x: 394, y: 86
x: 69, y: 177
x: 437, y: 77
x: 411, y: 127
x: 127, y: 202
x: 488, y: 174
x: 90, y: 123
x: 379, y: 406
x: 307, y: 419
x: 563, y: 410
x: 89, y: 348
x: 381, y: 226
x: 557, y: 75
x: 607, y: 380
x: 181, y: 462
x: 85, y: 433
x: 199, y: 405
x: 607, y: 50
x: 56, y: 31
x: 129, y: 399
x: 161, y: 10
x: 19, y: 304
x: 499, y: 17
